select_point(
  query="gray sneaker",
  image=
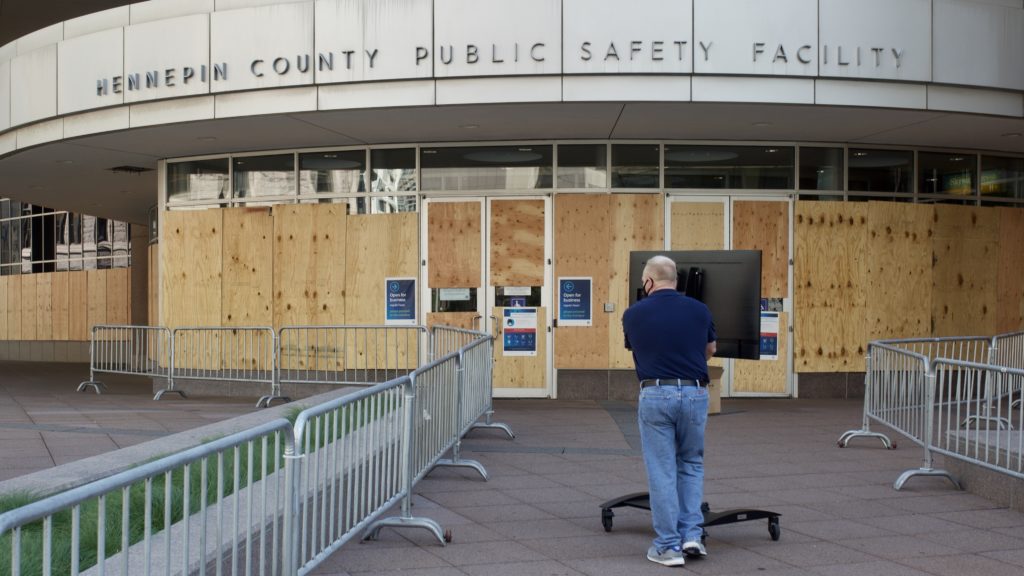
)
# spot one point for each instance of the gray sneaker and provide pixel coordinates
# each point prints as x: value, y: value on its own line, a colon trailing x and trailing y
x: 694, y: 548
x: 667, y: 557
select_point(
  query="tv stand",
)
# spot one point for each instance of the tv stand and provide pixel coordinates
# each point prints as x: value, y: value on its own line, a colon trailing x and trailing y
x: 642, y: 500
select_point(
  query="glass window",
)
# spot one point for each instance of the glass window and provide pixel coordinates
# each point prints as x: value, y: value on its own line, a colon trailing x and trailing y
x: 382, y: 204
x: 582, y: 166
x: 261, y: 176
x: 394, y: 170
x: 1002, y: 177
x: 880, y: 170
x: 340, y: 172
x: 635, y: 165
x: 738, y: 167
x: 821, y: 168
x: 197, y: 180
x: 946, y: 173
x: 486, y: 168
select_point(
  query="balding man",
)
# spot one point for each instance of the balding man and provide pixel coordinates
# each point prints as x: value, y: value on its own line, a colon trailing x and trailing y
x: 672, y: 336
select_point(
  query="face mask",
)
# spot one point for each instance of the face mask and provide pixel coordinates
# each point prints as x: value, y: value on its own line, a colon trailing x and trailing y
x: 647, y: 291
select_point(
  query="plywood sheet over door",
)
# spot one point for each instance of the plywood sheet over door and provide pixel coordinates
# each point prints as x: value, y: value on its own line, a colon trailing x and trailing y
x: 517, y: 243
x: 522, y: 372
x: 309, y: 264
x: 191, y: 265
x: 637, y: 223
x: 899, y: 270
x: 1010, y: 298
x: 453, y: 251
x: 965, y: 274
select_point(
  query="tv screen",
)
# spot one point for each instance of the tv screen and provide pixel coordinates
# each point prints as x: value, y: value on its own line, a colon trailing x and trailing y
x: 728, y: 282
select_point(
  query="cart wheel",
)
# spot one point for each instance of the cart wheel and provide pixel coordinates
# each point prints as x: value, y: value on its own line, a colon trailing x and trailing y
x: 448, y: 535
x: 606, y: 519
x: 774, y: 529
x: 703, y: 536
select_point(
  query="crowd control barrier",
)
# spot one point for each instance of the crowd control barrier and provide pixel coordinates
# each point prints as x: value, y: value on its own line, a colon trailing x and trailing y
x: 213, y: 509
x: 478, y: 399
x: 245, y: 354
x: 134, y: 350
x: 950, y: 396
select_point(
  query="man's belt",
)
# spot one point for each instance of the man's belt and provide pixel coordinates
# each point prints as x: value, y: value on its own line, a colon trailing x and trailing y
x: 671, y: 382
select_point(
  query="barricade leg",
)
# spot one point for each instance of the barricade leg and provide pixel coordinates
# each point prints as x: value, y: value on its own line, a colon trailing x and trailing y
x: 498, y: 425
x: 926, y: 468
x: 93, y: 383
x: 455, y: 460
x: 865, y: 429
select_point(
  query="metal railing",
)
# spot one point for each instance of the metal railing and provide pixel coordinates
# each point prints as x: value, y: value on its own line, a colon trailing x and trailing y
x: 214, y: 508
x: 353, y: 355
x: 134, y: 350
x: 245, y: 354
x: 477, y: 400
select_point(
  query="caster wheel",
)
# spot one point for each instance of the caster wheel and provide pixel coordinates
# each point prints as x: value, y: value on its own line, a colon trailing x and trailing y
x: 705, y: 508
x: 703, y: 536
x: 448, y: 535
x: 893, y: 446
x: 606, y: 519
x: 774, y: 530
x: 841, y: 445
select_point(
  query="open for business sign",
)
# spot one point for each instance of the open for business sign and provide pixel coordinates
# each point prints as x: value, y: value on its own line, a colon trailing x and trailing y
x: 575, y: 306
x: 400, y: 301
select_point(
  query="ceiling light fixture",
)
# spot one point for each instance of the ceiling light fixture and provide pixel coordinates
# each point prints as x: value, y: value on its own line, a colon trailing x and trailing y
x: 1011, y: 135
x: 469, y: 126
x: 761, y: 124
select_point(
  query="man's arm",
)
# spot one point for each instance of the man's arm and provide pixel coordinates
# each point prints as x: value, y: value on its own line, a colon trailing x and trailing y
x: 709, y: 350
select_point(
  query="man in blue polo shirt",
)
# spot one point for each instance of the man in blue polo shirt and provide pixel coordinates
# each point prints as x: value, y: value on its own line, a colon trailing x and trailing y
x: 672, y: 337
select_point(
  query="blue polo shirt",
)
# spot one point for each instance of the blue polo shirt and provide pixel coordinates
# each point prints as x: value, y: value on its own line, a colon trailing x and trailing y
x: 668, y: 333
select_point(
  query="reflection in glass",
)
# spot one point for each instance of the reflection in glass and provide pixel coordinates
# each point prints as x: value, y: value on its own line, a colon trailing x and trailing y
x: 382, y: 204
x: 880, y: 170
x: 582, y: 166
x: 197, y: 180
x: 821, y: 168
x: 260, y: 176
x: 635, y: 165
x: 394, y: 170
x: 1002, y: 177
x: 735, y: 167
x: 524, y: 167
x: 946, y: 173
x: 341, y: 172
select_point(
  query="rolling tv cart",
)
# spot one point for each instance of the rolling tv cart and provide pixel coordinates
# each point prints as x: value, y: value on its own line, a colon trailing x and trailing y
x: 642, y: 500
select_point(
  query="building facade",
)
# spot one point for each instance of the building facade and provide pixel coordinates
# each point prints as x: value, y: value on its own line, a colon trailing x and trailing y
x: 292, y: 159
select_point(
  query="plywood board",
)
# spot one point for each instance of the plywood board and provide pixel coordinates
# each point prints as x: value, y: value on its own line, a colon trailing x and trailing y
x: 3, y: 307
x: 764, y: 376
x: 378, y: 246
x: 517, y: 243
x: 698, y: 226
x: 14, y: 308
x: 637, y: 222
x: 467, y: 320
x: 764, y: 226
x: 153, y: 287
x: 522, y: 371
x: 899, y: 270
x: 44, y: 306
x: 453, y: 244
x: 1010, y: 289
x: 830, y: 289
x: 248, y: 273
x: 59, y: 304
x: 96, y: 311
x: 78, y: 306
x: 309, y: 264
x: 582, y: 248
x: 965, y: 272
x: 191, y: 264
x: 118, y: 295
x: 29, y: 324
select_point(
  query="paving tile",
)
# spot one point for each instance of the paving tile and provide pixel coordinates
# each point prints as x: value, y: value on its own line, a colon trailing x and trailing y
x: 448, y: 571
x: 553, y: 528
x: 541, y: 568
x: 899, y: 547
x: 805, y: 554
x: 537, y: 496
x: 976, y: 540
x: 489, y: 514
x: 835, y: 530
x: 504, y: 552
x: 1015, y: 557
x: 954, y: 502
x: 879, y: 568
x: 582, y: 547
x: 963, y: 564
x: 367, y: 557
x: 985, y: 519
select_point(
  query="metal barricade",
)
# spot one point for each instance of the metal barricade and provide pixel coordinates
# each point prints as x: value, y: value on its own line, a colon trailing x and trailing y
x: 245, y: 354
x: 215, y: 508
x: 979, y: 429
x: 135, y: 350
x: 1007, y: 350
x: 478, y: 394
x: 354, y: 466
x: 352, y: 355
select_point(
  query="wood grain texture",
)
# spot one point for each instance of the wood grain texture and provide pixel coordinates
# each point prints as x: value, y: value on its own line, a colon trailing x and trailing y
x: 3, y: 307
x: 153, y: 288
x: 96, y: 312
x: 517, y: 243
x: 637, y: 222
x: 764, y: 376
x: 830, y: 290
x: 965, y: 273
x: 521, y: 371
x: 899, y: 270
x: 465, y: 320
x: 14, y: 308
x: 59, y: 298
x: 309, y: 264
x: 28, y: 306
x: 1010, y: 289
x: 118, y: 295
x: 378, y: 246
x: 453, y: 245
x: 78, y: 306
x: 582, y: 248
x: 44, y: 306
x: 698, y: 226
x: 190, y: 261
x: 248, y: 275
x: 764, y: 226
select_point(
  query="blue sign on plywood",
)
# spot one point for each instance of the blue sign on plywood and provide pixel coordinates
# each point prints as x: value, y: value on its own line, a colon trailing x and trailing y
x: 575, y: 306
x: 400, y: 301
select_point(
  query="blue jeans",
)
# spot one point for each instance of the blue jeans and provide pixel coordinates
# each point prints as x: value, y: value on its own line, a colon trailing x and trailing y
x: 672, y: 421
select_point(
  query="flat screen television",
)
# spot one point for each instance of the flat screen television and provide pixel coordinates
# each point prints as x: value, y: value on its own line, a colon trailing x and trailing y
x: 727, y: 281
